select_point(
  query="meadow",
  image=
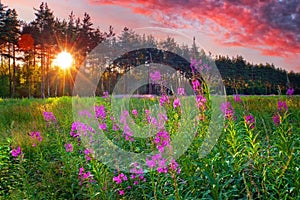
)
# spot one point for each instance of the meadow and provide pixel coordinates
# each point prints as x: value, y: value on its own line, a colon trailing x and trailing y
x: 43, y: 154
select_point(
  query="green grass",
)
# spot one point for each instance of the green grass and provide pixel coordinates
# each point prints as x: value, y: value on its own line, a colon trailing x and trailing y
x: 259, y: 163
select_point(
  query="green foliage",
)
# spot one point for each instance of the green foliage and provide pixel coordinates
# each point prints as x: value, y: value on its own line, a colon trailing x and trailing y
x: 246, y: 163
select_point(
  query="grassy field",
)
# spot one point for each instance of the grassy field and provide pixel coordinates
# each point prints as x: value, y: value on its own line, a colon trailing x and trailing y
x: 44, y: 153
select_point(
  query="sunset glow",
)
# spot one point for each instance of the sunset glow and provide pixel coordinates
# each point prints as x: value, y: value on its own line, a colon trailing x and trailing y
x: 63, y: 60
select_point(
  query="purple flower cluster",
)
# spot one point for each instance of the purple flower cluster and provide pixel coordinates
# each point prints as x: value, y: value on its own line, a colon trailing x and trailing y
x: 250, y: 121
x: 173, y: 166
x: 100, y: 112
x: 84, y: 176
x: 79, y: 128
x: 69, y: 147
x: 201, y: 102
x: 105, y: 94
x: 137, y: 174
x: 164, y: 100
x: 158, y: 162
x: 196, y: 85
x: 16, y: 152
x: 134, y: 112
x: 87, y: 154
x: 281, y: 106
x: 276, y: 119
x: 155, y: 76
x: 237, y: 98
x: 227, y: 110
x: 85, y: 113
x: 127, y: 132
x: 180, y: 91
x: 162, y: 140
x: 290, y: 91
x: 176, y: 103
x: 49, y: 117
x: 120, y: 178
x: 36, y: 136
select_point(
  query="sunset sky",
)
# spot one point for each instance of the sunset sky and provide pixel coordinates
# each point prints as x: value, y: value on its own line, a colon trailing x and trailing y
x: 259, y: 30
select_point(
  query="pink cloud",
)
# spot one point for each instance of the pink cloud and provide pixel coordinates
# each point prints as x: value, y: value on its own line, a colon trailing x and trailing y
x: 245, y: 23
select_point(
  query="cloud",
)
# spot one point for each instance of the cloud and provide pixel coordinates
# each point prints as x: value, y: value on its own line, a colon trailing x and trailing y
x: 271, y: 26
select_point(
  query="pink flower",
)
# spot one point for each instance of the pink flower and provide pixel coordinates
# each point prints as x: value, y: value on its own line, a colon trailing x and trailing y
x: 281, y: 105
x: 16, y: 152
x: 87, y: 153
x: 36, y: 135
x: 180, y: 91
x: 49, y: 117
x: 105, y: 94
x: 121, y: 177
x: 164, y: 99
x: 237, y: 98
x: 276, y: 119
x: 162, y: 139
x: 134, y: 112
x: 102, y: 126
x: 100, y: 112
x: 227, y: 110
x: 81, y: 169
x: 150, y: 163
x: 290, y: 91
x: 69, y: 147
x: 121, y: 192
x: 250, y: 121
x: 155, y: 76
x: 176, y: 103
x: 196, y: 85
x: 201, y: 101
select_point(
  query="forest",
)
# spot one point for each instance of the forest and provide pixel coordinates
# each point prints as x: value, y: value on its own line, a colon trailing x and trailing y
x: 27, y: 51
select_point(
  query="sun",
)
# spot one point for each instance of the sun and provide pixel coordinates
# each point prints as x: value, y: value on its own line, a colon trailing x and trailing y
x: 64, y: 60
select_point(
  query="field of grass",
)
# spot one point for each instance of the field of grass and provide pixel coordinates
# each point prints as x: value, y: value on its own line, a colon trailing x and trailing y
x: 44, y: 153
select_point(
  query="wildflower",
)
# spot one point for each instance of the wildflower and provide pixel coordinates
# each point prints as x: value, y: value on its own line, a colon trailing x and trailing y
x: 118, y: 179
x: 121, y: 192
x: 80, y: 128
x: 134, y: 112
x: 281, y: 105
x: 102, y: 126
x: 250, y: 121
x: 162, y: 168
x: 237, y: 98
x: 276, y: 119
x: 85, y: 113
x: 69, y: 147
x: 290, y: 91
x: 81, y: 169
x: 201, y: 101
x: 162, y: 140
x: 174, y: 166
x: 16, y: 152
x: 164, y: 99
x: 87, y: 153
x: 196, y: 85
x: 84, y: 176
x: 195, y: 64
x: 36, y: 135
x: 105, y: 94
x: 100, y: 112
x: 49, y: 117
x: 176, y: 103
x: 180, y: 91
x: 227, y: 110
x: 155, y: 76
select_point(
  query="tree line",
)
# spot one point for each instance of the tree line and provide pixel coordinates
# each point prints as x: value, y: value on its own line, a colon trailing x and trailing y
x: 27, y: 51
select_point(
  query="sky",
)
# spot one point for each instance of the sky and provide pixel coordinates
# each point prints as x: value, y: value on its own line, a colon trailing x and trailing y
x: 262, y: 31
